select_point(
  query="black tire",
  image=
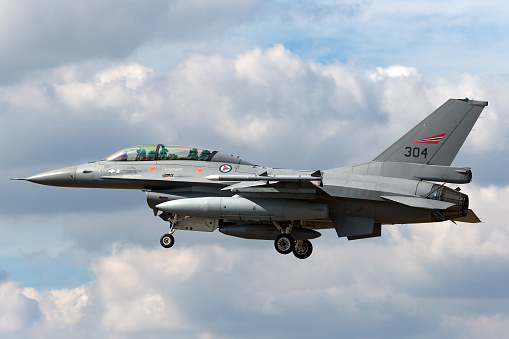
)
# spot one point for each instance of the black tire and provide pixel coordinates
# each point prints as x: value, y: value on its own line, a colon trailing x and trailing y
x: 305, y: 250
x: 167, y: 240
x: 284, y: 243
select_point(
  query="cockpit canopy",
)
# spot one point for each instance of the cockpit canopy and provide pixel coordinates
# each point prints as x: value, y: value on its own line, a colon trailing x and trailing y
x: 163, y: 152
x: 159, y: 152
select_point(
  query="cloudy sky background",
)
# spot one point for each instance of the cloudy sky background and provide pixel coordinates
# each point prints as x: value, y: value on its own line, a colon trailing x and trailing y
x: 294, y: 84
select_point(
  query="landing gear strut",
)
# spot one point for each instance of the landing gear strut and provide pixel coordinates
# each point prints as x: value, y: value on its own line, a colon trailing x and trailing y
x: 167, y: 240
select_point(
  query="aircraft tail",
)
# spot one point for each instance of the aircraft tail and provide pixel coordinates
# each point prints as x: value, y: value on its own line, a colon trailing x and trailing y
x: 438, y: 138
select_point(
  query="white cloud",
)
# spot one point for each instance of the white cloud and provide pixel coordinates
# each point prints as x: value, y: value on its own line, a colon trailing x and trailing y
x: 438, y: 39
x: 80, y: 81
x: 112, y: 88
x: 394, y: 71
x: 211, y: 289
x: 483, y: 326
x: 18, y: 312
x: 133, y: 286
x: 306, y: 111
x: 283, y: 111
x: 62, y: 309
x: 36, y: 35
x: 132, y: 75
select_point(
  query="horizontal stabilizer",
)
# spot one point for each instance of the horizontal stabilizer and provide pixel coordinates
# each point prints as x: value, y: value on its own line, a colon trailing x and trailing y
x: 419, y: 202
x: 470, y: 218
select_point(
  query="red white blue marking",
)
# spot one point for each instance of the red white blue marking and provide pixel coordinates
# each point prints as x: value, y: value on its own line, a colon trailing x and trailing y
x: 431, y: 140
x: 225, y: 168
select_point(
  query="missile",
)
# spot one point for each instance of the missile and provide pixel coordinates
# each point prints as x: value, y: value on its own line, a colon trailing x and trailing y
x: 239, y: 208
x: 263, y: 178
x: 266, y: 232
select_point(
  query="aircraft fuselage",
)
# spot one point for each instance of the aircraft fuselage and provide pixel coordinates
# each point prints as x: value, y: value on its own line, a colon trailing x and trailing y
x: 202, y: 190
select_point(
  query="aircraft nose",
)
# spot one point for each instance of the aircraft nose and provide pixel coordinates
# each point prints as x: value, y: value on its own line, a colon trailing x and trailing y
x: 60, y: 177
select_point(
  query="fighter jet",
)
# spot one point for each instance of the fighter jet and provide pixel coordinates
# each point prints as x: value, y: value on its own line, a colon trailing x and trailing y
x: 198, y: 189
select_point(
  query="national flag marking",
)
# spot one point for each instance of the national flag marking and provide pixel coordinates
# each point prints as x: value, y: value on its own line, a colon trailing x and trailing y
x: 431, y: 140
x: 225, y: 168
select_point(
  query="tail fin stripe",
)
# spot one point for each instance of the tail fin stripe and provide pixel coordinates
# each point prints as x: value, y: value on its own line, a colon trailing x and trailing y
x: 431, y: 140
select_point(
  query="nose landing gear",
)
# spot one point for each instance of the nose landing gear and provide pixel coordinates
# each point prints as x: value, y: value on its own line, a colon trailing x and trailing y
x: 167, y: 240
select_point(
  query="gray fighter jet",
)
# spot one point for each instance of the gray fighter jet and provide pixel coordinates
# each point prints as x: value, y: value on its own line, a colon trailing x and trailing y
x: 199, y: 189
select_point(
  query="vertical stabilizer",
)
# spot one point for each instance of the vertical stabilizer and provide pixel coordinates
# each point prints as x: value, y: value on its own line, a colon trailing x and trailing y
x: 437, y: 139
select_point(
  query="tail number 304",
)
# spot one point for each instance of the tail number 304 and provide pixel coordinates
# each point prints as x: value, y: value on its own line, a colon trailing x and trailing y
x: 416, y: 152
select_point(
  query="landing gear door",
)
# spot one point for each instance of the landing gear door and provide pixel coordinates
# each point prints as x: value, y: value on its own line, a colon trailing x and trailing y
x: 198, y: 224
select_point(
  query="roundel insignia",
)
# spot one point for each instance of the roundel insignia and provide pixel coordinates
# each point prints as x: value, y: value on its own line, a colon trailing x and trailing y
x: 225, y: 168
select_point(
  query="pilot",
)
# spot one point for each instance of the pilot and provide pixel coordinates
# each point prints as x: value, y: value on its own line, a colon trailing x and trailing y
x: 163, y: 153
x: 141, y: 154
x: 193, y: 154
x: 151, y: 155
x: 204, y: 154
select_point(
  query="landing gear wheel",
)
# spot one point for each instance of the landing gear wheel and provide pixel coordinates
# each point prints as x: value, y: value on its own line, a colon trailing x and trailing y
x: 304, y: 250
x: 284, y: 243
x: 167, y: 240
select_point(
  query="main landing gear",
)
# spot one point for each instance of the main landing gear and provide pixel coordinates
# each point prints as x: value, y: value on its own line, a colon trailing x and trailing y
x: 285, y: 243
x: 167, y: 240
x: 303, y: 249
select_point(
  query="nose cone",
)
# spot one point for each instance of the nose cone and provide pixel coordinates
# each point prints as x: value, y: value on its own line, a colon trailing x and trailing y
x: 61, y: 177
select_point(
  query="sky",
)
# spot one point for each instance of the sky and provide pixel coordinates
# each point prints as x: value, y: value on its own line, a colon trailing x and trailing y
x: 287, y: 84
